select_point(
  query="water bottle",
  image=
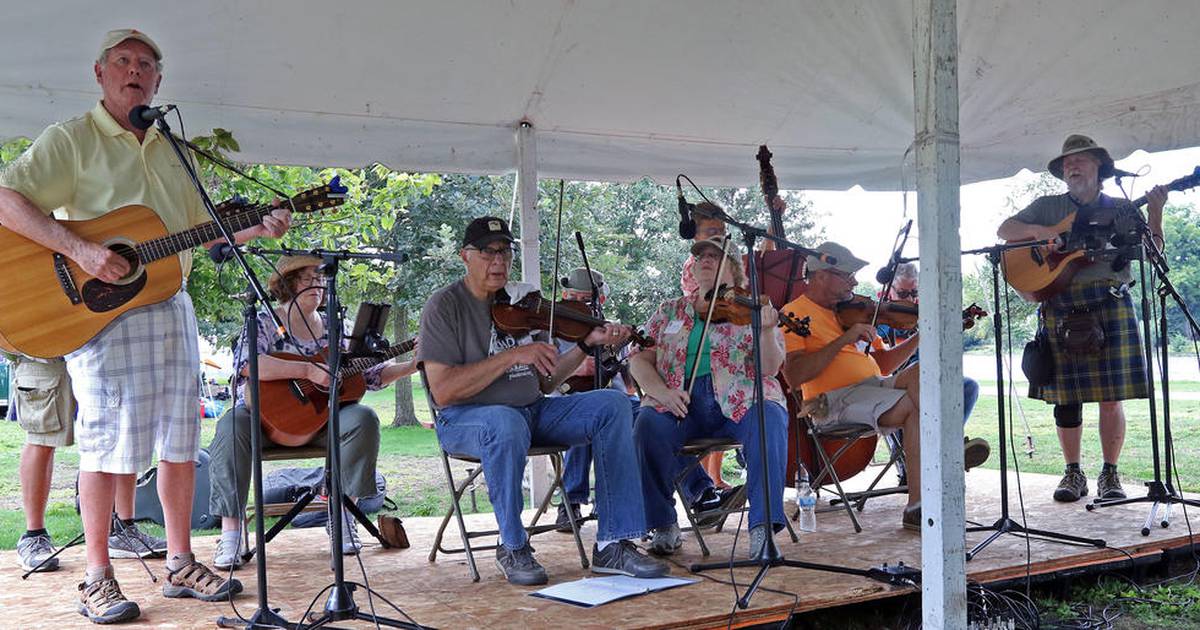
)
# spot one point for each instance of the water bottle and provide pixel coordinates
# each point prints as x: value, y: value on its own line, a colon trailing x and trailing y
x: 806, y: 500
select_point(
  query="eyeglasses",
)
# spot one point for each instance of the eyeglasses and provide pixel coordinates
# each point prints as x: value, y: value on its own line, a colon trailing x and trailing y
x: 841, y: 275
x: 492, y: 253
x: 905, y: 294
x: 311, y: 280
x: 709, y: 254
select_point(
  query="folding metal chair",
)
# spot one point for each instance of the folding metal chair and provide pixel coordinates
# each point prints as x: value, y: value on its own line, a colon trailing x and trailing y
x: 849, y: 433
x: 457, y: 489
x: 699, y: 449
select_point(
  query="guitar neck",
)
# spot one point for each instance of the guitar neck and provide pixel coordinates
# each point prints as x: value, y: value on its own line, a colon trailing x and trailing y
x: 359, y: 364
x: 171, y: 244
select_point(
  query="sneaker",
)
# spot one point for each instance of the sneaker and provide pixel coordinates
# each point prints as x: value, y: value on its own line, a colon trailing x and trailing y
x: 198, y: 581
x: 351, y: 543
x: 1108, y: 485
x: 519, y: 566
x: 563, y: 522
x: 102, y: 602
x: 911, y: 520
x: 624, y: 558
x: 758, y: 541
x: 713, y: 506
x: 666, y: 541
x: 975, y: 452
x: 128, y: 541
x: 33, y: 550
x: 229, y: 555
x: 1072, y: 487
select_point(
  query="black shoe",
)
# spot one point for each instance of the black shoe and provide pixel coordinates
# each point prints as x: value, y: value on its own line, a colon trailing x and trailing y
x: 519, y: 566
x: 713, y: 505
x: 624, y: 558
x: 1072, y: 487
x: 563, y: 522
x: 1108, y: 485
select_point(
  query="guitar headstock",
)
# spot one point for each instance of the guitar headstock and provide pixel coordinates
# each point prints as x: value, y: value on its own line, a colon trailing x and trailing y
x: 1186, y: 182
x: 330, y: 195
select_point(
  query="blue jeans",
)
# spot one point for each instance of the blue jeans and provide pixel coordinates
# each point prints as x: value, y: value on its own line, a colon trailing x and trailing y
x: 970, y: 397
x: 659, y: 436
x: 500, y: 437
x: 577, y: 464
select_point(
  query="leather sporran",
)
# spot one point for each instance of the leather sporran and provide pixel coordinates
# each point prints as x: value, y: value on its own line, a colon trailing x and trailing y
x: 1080, y: 332
x: 1037, y: 362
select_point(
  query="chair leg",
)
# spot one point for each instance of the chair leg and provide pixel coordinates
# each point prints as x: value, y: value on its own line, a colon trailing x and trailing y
x: 687, y: 509
x: 557, y: 464
x: 545, y: 502
x: 456, y: 493
x: 832, y: 473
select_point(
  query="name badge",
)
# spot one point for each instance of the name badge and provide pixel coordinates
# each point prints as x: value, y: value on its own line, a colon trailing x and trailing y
x: 674, y: 327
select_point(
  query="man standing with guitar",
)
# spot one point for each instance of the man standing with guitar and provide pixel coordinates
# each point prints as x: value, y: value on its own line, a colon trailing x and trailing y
x: 135, y: 382
x: 1091, y: 325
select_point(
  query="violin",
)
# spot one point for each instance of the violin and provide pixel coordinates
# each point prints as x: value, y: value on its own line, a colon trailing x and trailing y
x: 573, y: 319
x: 899, y: 314
x: 734, y: 306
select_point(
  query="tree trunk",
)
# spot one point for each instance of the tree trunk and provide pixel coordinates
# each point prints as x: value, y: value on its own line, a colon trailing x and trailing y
x: 405, y: 414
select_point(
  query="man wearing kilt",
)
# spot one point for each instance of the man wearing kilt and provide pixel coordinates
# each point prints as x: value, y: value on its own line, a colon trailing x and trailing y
x: 136, y: 382
x: 1096, y: 307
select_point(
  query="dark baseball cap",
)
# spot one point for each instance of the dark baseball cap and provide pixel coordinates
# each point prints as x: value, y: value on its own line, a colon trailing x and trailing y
x: 485, y: 230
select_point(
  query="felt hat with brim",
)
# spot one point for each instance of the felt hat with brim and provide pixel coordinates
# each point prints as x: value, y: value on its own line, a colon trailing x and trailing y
x: 1076, y: 143
x: 577, y: 280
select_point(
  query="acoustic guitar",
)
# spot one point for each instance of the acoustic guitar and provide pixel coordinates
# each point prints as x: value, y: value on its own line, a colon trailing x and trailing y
x: 1038, y: 274
x: 295, y: 410
x: 50, y: 306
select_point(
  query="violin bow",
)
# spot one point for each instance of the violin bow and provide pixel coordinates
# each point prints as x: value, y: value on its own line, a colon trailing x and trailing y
x: 893, y: 263
x: 557, y: 253
x: 712, y: 306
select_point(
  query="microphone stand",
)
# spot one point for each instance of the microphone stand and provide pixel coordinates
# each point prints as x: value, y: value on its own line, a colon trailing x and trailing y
x: 340, y: 604
x: 1158, y: 493
x: 597, y: 312
x: 771, y: 556
x: 1005, y: 524
x: 264, y: 616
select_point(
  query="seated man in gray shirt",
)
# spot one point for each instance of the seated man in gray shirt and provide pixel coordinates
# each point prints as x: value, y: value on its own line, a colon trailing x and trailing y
x: 490, y: 386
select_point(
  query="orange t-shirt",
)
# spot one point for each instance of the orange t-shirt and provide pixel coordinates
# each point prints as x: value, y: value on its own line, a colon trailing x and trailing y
x: 849, y: 365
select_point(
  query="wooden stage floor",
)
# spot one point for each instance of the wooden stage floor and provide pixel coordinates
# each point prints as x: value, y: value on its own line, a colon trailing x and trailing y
x: 441, y: 594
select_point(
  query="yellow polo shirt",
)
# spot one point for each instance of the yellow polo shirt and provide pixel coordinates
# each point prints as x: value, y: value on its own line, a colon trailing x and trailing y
x: 88, y: 166
x: 849, y: 365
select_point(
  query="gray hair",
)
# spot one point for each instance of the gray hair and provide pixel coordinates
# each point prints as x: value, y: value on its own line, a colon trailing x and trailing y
x: 906, y: 270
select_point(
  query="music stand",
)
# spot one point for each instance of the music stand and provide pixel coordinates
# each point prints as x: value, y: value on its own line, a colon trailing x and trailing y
x: 367, y: 337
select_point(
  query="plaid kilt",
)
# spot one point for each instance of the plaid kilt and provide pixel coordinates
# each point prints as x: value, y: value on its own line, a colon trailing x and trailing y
x: 1117, y: 371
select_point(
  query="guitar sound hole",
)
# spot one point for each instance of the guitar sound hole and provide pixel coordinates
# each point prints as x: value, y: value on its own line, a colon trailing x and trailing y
x: 130, y: 255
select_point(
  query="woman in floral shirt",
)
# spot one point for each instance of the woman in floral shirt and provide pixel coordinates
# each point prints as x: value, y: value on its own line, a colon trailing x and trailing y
x: 721, y: 403
x: 299, y: 286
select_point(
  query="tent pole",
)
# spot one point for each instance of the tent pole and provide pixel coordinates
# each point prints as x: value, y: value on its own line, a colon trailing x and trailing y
x: 531, y: 269
x: 935, y: 87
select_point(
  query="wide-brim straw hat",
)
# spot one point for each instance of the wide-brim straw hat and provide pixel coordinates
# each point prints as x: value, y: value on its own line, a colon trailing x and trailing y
x: 286, y: 265
x: 1076, y: 143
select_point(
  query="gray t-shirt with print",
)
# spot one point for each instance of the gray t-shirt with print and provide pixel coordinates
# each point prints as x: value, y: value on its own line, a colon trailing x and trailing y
x: 456, y: 329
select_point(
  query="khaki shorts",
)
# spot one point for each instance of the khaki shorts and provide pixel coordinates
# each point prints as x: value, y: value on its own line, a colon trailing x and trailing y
x: 858, y: 404
x: 42, y: 402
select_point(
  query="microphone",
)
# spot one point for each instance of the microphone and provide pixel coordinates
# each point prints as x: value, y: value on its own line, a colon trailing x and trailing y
x: 687, y: 225
x: 143, y: 116
x: 220, y: 252
x: 1118, y: 173
x: 884, y: 275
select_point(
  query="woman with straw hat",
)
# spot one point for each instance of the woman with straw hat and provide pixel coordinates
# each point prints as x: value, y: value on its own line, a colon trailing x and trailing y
x: 300, y: 287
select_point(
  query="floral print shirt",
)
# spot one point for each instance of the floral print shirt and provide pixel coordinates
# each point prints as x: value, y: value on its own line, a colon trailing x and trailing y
x: 731, y: 359
x: 267, y: 339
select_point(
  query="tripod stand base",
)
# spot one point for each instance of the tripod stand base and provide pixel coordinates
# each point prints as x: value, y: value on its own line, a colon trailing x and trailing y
x: 260, y: 619
x: 775, y: 559
x: 1005, y: 525
x: 1157, y: 495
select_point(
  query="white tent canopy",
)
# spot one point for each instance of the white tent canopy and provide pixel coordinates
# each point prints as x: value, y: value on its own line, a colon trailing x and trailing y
x: 619, y: 90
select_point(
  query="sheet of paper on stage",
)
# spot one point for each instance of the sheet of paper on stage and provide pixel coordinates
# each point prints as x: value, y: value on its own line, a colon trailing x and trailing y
x: 589, y: 592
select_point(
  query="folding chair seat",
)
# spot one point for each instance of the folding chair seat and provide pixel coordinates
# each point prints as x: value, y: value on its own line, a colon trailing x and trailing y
x: 849, y: 435
x: 698, y: 449
x: 458, y: 488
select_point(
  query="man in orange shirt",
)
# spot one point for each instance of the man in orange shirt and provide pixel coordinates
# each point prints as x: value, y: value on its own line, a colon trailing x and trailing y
x: 842, y: 384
